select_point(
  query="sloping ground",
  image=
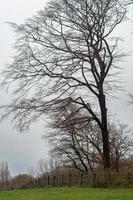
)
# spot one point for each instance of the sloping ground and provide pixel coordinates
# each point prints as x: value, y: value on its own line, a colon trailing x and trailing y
x: 68, y: 194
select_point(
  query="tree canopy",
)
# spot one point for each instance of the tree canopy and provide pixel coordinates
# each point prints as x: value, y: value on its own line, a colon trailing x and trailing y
x: 65, y: 55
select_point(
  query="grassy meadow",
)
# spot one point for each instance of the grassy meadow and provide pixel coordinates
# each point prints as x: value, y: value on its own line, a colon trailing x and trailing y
x: 68, y: 194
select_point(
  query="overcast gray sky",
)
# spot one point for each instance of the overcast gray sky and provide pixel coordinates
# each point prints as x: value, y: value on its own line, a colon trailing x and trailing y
x: 22, y: 151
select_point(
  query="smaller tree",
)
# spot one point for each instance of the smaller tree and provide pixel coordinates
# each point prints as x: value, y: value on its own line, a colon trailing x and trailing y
x: 76, y: 139
x: 4, y: 174
x: 20, y: 180
x: 47, y: 166
x: 121, y: 143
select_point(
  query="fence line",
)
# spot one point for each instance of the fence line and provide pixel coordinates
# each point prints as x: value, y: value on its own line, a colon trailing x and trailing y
x: 70, y: 179
x: 57, y: 181
x: 79, y: 180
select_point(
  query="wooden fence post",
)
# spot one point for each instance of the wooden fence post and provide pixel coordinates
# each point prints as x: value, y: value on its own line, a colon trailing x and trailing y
x: 80, y: 179
x: 43, y: 180
x: 69, y: 180
x: 31, y: 184
x: 48, y: 181
x: 39, y: 182
x: 53, y: 181
x: 61, y: 183
x: 36, y: 183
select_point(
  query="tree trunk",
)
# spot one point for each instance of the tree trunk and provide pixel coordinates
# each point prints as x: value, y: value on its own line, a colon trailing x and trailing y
x: 106, y: 150
x: 104, y: 130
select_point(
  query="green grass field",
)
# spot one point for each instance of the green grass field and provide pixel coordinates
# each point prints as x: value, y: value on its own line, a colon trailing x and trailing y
x: 68, y: 194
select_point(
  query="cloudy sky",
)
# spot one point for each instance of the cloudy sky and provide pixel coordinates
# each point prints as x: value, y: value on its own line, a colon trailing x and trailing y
x: 23, y: 151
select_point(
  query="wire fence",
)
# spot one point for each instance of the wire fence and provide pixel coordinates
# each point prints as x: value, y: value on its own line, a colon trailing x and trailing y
x: 68, y: 180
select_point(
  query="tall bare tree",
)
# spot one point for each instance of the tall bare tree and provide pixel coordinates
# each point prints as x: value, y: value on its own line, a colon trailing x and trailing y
x: 65, y: 54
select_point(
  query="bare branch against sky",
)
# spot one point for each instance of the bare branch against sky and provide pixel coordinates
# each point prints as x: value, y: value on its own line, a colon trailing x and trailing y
x: 22, y: 151
x: 30, y: 146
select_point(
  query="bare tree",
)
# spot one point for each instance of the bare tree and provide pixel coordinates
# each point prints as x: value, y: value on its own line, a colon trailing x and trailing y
x: 47, y: 166
x: 20, y: 180
x: 121, y: 143
x: 4, y: 174
x: 65, y: 54
x: 78, y: 142
x: 72, y: 139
